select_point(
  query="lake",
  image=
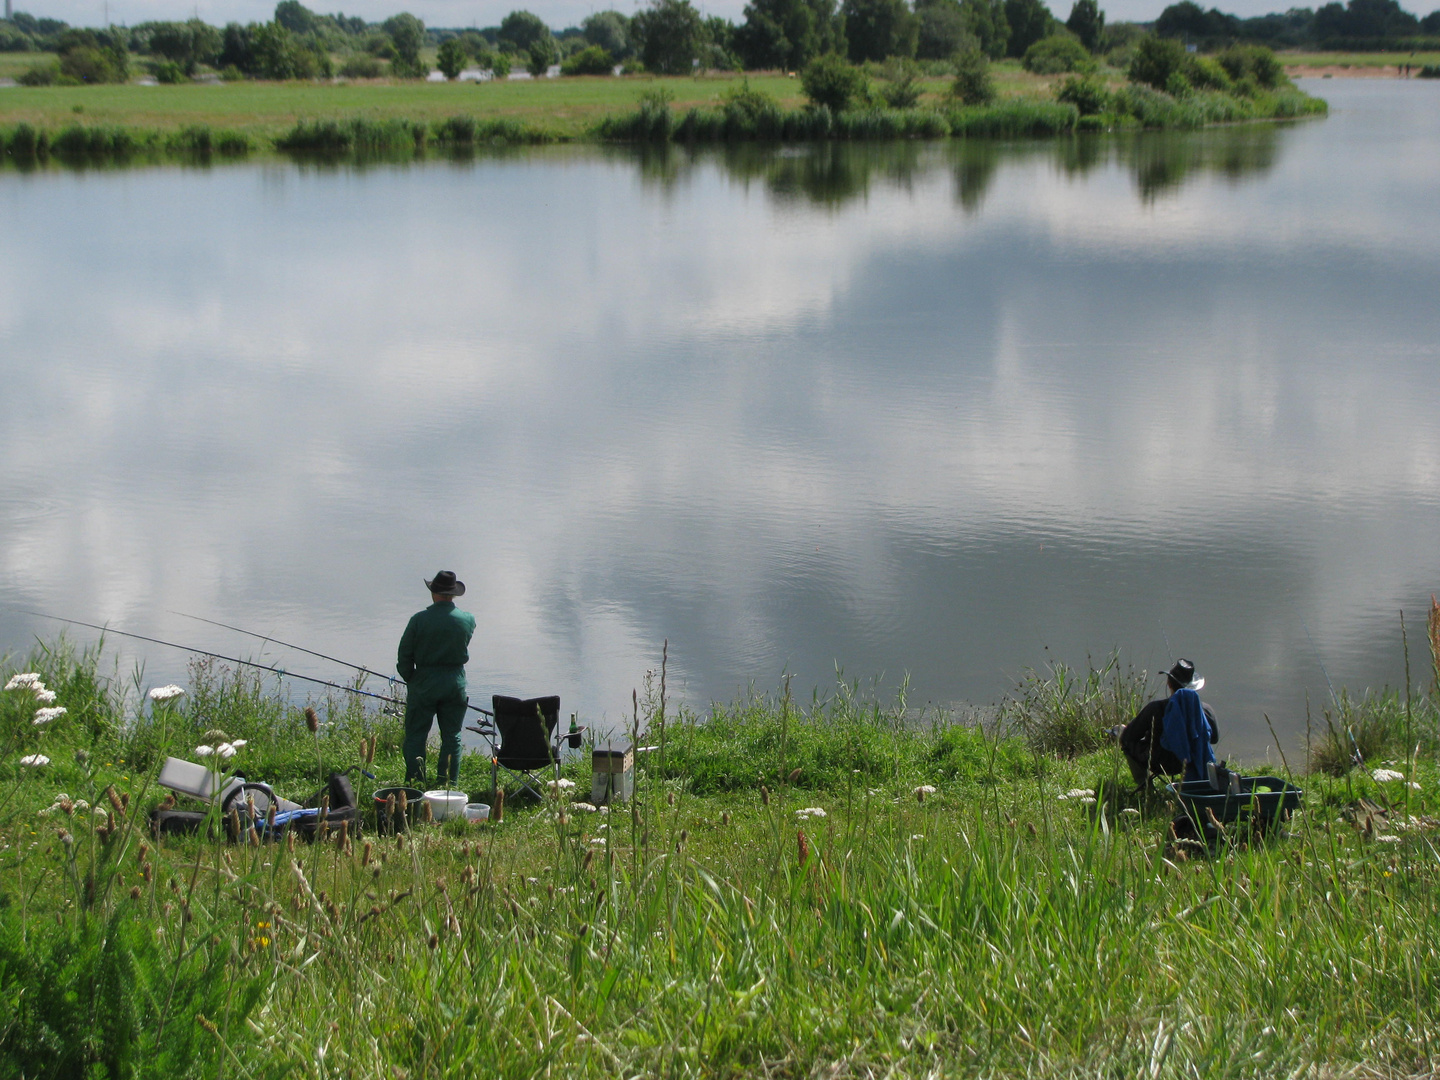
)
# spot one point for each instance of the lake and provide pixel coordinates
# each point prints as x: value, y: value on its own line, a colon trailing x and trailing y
x: 936, y: 411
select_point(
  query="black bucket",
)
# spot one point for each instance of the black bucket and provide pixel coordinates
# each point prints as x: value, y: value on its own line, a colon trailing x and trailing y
x: 385, y: 822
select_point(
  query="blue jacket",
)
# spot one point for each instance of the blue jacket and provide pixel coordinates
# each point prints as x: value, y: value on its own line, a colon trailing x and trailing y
x: 1186, y: 733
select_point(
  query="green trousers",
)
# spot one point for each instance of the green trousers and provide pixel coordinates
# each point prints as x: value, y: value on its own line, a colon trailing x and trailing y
x: 432, y: 700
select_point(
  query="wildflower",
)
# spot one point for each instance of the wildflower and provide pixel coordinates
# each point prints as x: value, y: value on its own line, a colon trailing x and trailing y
x: 1078, y: 793
x: 1130, y: 810
x: 45, y: 697
x: 589, y: 808
x: 1382, y: 776
x: 165, y: 693
x: 917, y: 836
x: 1387, y: 838
x: 1088, y: 800
x: 561, y: 785
x: 312, y: 720
x: 44, y: 716
x: 923, y: 790
x: 25, y: 680
x: 1412, y: 785
x: 204, y: 751
x: 810, y: 811
x: 35, y: 759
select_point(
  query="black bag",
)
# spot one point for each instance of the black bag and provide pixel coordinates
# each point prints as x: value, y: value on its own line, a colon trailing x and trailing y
x: 174, y: 822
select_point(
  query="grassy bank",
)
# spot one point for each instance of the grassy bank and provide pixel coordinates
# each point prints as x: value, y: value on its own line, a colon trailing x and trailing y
x: 248, y: 117
x: 784, y: 897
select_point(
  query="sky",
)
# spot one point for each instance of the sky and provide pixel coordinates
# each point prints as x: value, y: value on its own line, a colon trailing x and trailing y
x: 558, y: 13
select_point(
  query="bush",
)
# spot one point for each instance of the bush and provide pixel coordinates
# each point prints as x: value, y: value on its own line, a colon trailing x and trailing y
x: 592, y: 60
x: 357, y: 134
x: 26, y: 142
x: 362, y: 67
x: 902, y: 87
x: 501, y: 65
x: 40, y: 74
x: 1013, y: 119
x: 973, y: 84
x: 831, y: 81
x: 1253, y: 62
x: 170, y: 73
x: 1056, y: 54
x: 541, y: 55
x: 1430, y: 71
x: 1155, y: 60
x: 1087, y: 93
x: 1205, y: 73
x: 1062, y: 713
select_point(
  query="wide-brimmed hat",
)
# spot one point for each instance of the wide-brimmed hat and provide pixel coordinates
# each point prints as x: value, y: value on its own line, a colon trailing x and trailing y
x: 445, y: 584
x: 1183, y: 675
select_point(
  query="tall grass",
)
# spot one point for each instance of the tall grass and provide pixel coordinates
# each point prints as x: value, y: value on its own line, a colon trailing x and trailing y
x: 719, y: 924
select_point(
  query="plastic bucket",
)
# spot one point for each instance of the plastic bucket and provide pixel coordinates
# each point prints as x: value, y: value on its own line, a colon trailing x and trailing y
x: 385, y: 823
x: 477, y: 811
x: 446, y: 804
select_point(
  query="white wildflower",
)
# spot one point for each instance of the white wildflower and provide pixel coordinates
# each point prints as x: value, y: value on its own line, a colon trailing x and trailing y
x: 44, y: 716
x: 1088, y: 800
x: 589, y: 808
x: 1388, y: 838
x: 1382, y: 776
x: 165, y: 693
x: 225, y: 751
x: 35, y: 759
x: 204, y: 751
x: 599, y: 841
x: 1130, y: 810
x: 1078, y: 793
x: 45, y: 697
x: 809, y: 812
x: 561, y: 785
x: 25, y: 680
x: 917, y: 836
x: 1412, y: 785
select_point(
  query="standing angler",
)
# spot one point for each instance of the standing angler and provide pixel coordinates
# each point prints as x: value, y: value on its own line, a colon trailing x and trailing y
x: 433, y: 653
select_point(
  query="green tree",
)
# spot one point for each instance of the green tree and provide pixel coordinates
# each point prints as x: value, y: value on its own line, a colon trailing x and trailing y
x: 788, y: 34
x: 943, y: 30
x: 452, y: 58
x: 671, y: 33
x: 542, y: 53
x: 1087, y: 22
x: 876, y: 29
x: 973, y: 83
x: 187, y: 44
x: 902, y: 87
x: 521, y: 29
x: 407, y: 34
x: 831, y: 81
x: 95, y: 56
x: 986, y: 20
x: 1087, y: 93
x: 1029, y: 21
x: 1155, y: 60
x: 295, y: 17
x: 611, y: 31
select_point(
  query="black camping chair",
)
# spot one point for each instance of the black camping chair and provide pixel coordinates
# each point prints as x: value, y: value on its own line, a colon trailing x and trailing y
x: 522, y: 739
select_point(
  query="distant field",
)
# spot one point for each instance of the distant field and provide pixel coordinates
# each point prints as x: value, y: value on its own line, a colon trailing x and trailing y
x: 13, y: 63
x: 568, y: 106
x: 1357, y: 60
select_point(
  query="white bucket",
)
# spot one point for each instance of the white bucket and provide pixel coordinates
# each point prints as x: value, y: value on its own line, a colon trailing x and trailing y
x: 477, y: 811
x: 446, y: 804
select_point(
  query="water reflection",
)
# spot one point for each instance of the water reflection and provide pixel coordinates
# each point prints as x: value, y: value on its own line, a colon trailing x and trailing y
x: 929, y: 407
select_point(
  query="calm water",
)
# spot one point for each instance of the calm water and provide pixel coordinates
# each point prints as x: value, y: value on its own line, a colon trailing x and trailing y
x: 933, y: 409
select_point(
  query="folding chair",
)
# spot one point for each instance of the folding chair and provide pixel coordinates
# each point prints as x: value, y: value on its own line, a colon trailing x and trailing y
x: 526, y: 734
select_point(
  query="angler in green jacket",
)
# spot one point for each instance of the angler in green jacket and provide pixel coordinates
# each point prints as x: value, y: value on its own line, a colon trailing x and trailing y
x: 433, y: 652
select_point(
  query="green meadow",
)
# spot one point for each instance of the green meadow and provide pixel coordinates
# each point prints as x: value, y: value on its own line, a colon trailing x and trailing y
x: 836, y: 886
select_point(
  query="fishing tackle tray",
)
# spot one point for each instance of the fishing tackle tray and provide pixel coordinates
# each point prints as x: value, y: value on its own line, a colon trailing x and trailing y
x: 1266, y: 806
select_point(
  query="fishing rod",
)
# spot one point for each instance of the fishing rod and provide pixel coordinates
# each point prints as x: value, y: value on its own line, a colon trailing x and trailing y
x: 288, y: 645
x: 310, y: 652
x: 218, y: 656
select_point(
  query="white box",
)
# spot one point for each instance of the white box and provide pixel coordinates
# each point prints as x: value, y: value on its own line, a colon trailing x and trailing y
x: 187, y: 778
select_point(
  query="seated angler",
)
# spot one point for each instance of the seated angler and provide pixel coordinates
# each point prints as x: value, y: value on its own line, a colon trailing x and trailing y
x: 1172, y: 734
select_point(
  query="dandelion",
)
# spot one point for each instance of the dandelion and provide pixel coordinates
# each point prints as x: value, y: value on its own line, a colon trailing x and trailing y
x: 44, y: 716
x: 35, y: 760
x: 1384, y: 776
x: 45, y: 697
x: 810, y: 811
x: 166, y: 693
x: 27, y: 680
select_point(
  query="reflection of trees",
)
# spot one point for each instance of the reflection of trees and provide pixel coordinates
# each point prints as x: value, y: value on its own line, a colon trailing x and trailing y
x: 831, y: 174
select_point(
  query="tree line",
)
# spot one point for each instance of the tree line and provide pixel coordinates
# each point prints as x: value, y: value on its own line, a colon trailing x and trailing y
x: 672, y: 37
